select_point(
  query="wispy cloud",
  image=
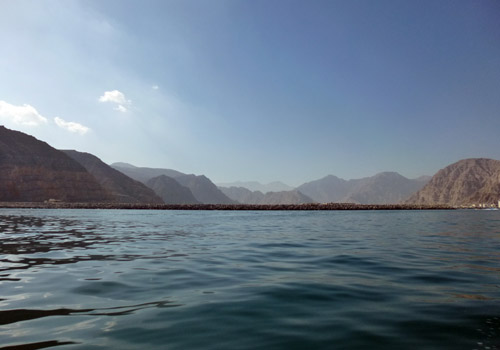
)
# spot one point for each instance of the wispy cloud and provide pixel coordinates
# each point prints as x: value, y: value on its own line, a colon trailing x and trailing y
x: 116, y: 97
x: 22, y: 115
x: 71, y: 126
x: 120, y: 108
x: 155, y: 87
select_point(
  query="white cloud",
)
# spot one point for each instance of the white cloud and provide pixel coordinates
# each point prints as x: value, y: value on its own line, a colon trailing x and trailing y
x: 113, y: 96
x: 117, y: 97
x: 155, y: 87
x: 121, y: 108
x: 71, y: 126
x: 23, y: 115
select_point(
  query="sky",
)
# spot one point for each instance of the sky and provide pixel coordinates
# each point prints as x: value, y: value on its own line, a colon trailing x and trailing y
x: 258, y: 90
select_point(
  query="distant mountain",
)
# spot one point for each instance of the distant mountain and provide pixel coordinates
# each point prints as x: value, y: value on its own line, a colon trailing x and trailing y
x: 328, y: 189
x: 383, y: 188
x: 466, y: 182
x: 201, y: 187
x: 123, y: 188
x: 286, y: 197
x: 171, y: 191
x: 245, y: 196
x: 143, y: 174
x: 253, y: 186
x: 33, y: 171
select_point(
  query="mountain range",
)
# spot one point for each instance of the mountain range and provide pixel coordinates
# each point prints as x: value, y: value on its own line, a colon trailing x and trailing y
x: 245, y: 196
x: 33, y: 171
x: 275, y: 186
x: 201, y: 188
x: 383, y: 188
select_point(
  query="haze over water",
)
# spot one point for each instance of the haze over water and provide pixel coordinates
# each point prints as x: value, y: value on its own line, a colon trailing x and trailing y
x: 107, y: 279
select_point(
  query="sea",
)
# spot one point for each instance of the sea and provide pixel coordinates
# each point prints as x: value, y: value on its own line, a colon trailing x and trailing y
x: 146, y: 279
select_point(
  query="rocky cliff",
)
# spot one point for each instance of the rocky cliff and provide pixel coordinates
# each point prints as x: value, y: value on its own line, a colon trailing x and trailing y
x: 33, y: 171
x: 466, y: 182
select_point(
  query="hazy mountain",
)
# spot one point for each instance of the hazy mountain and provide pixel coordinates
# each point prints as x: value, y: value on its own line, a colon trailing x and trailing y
x: 171, y: 191
x: 203, y: 189
x: 123, y: 188
x: 143, y: 174
x: 466, y: 182
x: 327, y: 189
x: 286, y: 197
x: 275, y: 186
x: 383, y: 188
x: 200, y: 186
x: 33, y: 171
x: 245, y: 196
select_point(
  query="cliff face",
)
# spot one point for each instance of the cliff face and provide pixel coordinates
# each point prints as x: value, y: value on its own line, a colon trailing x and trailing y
x: 466, y: 182
x: 33, y: 171
x: 122, y: 188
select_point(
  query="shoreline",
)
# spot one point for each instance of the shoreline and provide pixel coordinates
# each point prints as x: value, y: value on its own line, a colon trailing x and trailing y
x: 234, y: 207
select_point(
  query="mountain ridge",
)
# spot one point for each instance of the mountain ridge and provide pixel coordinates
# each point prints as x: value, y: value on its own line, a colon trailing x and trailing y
x: 466, y: 182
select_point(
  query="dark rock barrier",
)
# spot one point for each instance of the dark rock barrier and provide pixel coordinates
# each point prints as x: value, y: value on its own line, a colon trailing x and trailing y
x: 310, y: 206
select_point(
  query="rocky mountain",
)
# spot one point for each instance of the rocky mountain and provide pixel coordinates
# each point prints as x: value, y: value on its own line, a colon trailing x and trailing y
x: 383, y: 188
x: 253, y: 186
x: 144, y: 174
x: 245, y: 196
x: 200, y: 186
x: 33, y: 171
x: 203, y: 189
x: 466, y: 182
x: 122, y: 188
x: 328, y: 189
x: 171, y: 191
x: 286, y: 197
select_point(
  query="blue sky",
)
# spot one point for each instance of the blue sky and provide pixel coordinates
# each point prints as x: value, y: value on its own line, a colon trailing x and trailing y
x: 257, y: 90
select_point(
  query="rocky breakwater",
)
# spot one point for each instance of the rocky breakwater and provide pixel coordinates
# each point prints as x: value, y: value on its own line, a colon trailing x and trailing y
x: 311, y: 206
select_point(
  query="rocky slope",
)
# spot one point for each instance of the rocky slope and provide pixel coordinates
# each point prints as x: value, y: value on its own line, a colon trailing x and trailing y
x: 466, y: 182
x: 383, y: 188
x: 171, y: 191
x: 33, y: 171
x: 122, y: 188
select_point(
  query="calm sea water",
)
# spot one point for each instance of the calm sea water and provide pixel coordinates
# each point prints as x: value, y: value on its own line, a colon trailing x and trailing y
x: 124, y: 279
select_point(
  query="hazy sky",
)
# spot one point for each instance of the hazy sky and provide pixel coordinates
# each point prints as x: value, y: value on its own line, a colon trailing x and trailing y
x: 259, y: 89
